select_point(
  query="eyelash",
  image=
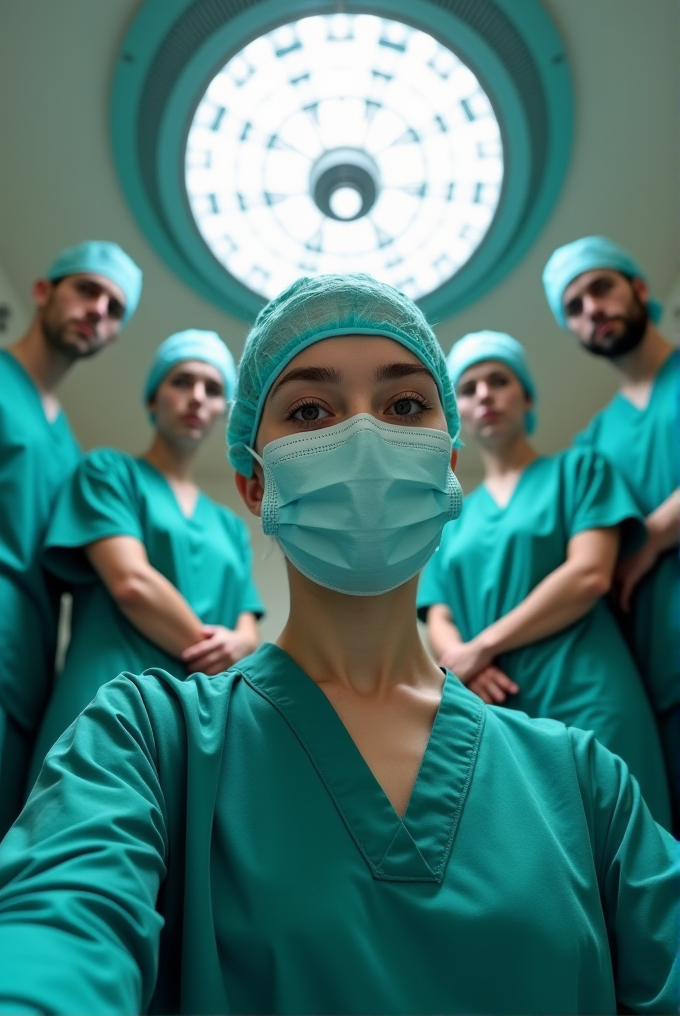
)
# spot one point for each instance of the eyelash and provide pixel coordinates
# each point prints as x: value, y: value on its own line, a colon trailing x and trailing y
x: 412, y: 397
x: 300, y: 404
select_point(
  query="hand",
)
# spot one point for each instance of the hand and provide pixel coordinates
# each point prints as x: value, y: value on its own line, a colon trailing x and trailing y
x: 465, y: 659
x: 492, y: 685
x: 218, y: 650
x: 632, y: 569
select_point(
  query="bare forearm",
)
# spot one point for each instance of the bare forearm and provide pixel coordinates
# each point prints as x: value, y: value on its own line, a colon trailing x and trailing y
x: 562, y: 598
x: 441, y: 631
x: 246, y: 626
x: 663, y: 524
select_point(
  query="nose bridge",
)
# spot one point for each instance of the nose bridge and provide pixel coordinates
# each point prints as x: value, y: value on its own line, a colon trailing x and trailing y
x: 198, y: 389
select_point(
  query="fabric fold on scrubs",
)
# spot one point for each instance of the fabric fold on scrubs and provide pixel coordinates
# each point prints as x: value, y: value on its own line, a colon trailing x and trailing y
x: 643, y: 445
x: 492, y: 558
x: 36, y: 458
x: 208, y: 867
x: 207, y: 557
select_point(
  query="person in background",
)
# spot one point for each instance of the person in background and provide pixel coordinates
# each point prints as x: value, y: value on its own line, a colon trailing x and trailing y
x: 598, y: 292
x: 335, y: 825
x: 514, y: 597
x: 161, y: 574
x: 84, y: 299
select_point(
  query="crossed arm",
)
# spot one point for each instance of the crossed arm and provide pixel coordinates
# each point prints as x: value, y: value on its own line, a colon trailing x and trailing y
x: 663, y: 533
x: 159, y: 611
x: 560, y: 599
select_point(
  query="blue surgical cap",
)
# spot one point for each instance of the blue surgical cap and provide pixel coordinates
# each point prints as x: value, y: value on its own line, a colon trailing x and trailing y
x: 101, y: 257
x: 319, y: 308
x: 479, y: 346
x: 585, y: 255
x: 191, y: 344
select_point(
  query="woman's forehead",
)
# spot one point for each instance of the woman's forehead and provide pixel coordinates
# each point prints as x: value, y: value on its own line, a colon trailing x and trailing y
x: 197, y: 368
x: 478, y: 371
x: 352, y: 351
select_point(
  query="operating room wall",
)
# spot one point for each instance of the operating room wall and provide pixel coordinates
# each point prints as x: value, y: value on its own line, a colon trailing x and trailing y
x: 58, y: 184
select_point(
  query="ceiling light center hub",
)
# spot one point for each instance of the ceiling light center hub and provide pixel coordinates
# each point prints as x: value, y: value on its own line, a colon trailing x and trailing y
x: 344, y: 183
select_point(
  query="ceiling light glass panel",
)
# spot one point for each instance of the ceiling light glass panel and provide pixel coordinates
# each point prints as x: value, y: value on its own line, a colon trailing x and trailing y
x: 344, y: 143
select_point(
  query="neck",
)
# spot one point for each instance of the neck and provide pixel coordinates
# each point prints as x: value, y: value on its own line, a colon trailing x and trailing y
x: 44, y: 365
x: 642, y: 364
x: 175, y: 463
x: 366, y: 643
x: 507, y: 457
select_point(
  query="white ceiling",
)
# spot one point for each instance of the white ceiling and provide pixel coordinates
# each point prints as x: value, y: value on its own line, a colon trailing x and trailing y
x: 58, y: 185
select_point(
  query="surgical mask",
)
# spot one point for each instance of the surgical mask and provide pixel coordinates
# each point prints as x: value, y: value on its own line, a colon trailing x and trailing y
x: 359, y: 507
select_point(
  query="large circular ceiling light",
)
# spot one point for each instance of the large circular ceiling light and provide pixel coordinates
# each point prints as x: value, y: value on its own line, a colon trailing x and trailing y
x: 423, y: 142
x: 344, y: 143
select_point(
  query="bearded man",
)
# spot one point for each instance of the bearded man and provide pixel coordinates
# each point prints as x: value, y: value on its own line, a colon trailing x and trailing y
x: 598, y: 292
x: 83, y: 301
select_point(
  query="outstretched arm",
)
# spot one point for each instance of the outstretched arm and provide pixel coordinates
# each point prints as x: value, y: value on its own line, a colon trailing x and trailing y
x: 81, y: 869
x: 560, y: 599
x: 148, y: 600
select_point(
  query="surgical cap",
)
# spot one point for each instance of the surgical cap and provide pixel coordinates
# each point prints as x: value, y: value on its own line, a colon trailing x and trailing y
x: 191, y: 344
x: 101, y: 257
x: 584, y: 255
x: 479, y: 346
x: 313, y: 309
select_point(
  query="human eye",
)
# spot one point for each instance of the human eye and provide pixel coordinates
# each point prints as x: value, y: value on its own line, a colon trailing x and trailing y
x: 499, y: 380
x: 574, y: 307
x: 408, y: 406
x: 215, y: 391
x: 116, y: 310
x: 466, y: 390
x: 307, y: 413
x: 600, y: 287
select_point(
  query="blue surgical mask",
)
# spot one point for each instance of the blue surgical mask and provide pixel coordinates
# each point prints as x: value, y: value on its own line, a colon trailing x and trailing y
x: 360, y: 507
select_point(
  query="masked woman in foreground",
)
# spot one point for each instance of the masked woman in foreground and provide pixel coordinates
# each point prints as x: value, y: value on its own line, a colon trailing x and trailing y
x: 335, y: 825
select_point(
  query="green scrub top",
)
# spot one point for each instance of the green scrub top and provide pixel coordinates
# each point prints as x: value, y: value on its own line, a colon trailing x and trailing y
x: 489, y: 561
x: 644, y: 444
x: 36, y: 457
x: 235, y: 854
x: 207, y: 557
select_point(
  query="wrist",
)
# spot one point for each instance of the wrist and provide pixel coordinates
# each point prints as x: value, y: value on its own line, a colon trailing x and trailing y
x: 488, y: 642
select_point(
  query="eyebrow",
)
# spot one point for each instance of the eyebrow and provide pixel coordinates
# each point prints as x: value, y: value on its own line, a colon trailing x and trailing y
x: 328, y: 375
x: 321, y: 375
x: 395, y: 371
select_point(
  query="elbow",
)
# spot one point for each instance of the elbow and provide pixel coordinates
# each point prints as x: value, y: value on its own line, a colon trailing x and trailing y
x: 596, y: 584
x: 128, y: 590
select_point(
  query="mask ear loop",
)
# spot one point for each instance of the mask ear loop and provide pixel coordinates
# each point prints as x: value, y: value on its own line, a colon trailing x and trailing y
x: 270, y: 502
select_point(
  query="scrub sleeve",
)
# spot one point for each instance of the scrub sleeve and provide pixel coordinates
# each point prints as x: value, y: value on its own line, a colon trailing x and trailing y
x: 493, y: 557
x: 219, y: 844
x: 207, y: 557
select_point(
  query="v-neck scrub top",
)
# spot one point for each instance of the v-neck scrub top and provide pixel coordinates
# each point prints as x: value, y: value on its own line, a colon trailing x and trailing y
x: 207, y: 557
x: 36, y: 457
x: 219, y: 845
x: 644, y: 445
x: 492, y: 558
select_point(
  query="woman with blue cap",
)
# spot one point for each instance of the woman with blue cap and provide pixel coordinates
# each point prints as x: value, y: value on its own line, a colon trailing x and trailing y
x: 514, y: 596
x: 86, y: 296
x: 161, y: 574
x: 335, y: 825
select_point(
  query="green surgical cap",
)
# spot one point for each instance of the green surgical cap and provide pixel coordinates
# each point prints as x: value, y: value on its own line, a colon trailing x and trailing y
x: 191, y: 344
x: 479, y: 346
x: 585, y: 255
x: 319, y: 308
x: 101, y: 257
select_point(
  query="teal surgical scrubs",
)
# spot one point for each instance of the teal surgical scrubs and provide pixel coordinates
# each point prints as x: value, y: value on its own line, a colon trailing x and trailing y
x: 207, y: 557
x: 492, y: 558
x: 644, y: 444
x: 36, y: 457
x: 219, y: 845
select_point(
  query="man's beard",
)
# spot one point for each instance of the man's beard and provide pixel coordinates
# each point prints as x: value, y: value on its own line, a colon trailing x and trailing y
x: 55, y: 337
x: 613, y: 346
